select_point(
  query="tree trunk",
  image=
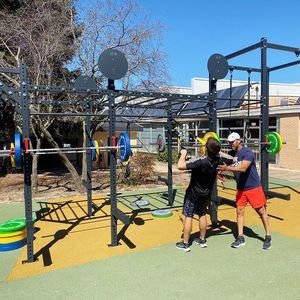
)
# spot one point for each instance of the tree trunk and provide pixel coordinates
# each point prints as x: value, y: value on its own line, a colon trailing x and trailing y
x: 35, y: 159
x: 65, y: 160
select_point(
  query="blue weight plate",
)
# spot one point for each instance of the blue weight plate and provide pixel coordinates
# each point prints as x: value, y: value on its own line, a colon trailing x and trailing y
x: 124, y: 146
x: 93, y: 152
x: 18, y: 151
x: 12, y: 246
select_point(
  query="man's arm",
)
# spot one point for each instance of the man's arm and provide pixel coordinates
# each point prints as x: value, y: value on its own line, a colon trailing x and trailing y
x: 226, y: 155
x: 241, y: 168
x: 181, y: 165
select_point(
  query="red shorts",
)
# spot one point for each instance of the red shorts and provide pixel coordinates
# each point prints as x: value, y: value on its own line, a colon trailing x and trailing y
x: 256, y: 197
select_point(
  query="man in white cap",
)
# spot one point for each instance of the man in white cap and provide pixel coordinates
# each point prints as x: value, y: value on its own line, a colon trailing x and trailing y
x: 249, y: 189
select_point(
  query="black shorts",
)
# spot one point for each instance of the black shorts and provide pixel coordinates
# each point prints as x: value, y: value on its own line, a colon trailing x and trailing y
x: 199, y: 207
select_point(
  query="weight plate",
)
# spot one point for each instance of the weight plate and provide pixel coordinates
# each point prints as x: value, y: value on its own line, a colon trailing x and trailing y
x: 12, y: 246
x: 93, y: 151
x: 140, y: 203
x: 217, y: 66
x: 13, y: 225
x: 211, y: 134
x: 280, y: 140
x: 18, y: 151
x: 162, y: 213
x: 12, y: 157
x: 200, y: 141
x: 12, y: 239
x: 85, y: 82
x: 275, y: 145
x: 97, y: 145
x: 113, y: 64
x: 161, y: 144
x: 124, y: 146
x: 14, y: 233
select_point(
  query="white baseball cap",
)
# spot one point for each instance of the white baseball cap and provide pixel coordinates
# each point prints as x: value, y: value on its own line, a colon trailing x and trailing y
x: 233, y: 136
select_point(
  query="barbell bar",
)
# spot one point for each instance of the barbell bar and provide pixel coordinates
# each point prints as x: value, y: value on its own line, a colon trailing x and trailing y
x: 273, y: 142
x: 18, y: 148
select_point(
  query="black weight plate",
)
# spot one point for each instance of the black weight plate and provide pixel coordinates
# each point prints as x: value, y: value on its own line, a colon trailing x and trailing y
x: 217, y: 66
x: 113, y: 64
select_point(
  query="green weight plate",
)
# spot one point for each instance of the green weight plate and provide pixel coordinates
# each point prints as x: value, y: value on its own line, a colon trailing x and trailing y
x: 275, y: 145
x: 13, y: 225
x: 162, y: 213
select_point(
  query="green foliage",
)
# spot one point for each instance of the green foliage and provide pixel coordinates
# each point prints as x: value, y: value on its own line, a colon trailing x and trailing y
x: 141, y: 169
x: 163, y: 156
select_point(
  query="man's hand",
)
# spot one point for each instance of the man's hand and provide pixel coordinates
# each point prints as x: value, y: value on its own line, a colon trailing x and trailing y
x: 223, y: 167
x: 181, y: 165
x: 183, y: 152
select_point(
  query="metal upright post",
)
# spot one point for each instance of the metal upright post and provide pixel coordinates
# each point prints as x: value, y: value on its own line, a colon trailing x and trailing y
x: 88, y: 144
x: 113, y: 166
x: 170, y: 171
x: 213, y: 127
x: 25, y: 114
x: 264, y: 116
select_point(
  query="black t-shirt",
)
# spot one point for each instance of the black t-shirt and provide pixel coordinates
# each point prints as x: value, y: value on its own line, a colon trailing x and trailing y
x: 204, y: 172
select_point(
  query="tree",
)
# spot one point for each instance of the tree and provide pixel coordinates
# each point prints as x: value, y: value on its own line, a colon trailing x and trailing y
x: 56, y: 45
x: 123, y: 25
x: 40, y: 34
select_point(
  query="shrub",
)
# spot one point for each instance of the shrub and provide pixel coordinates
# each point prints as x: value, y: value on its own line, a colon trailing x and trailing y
x: 141, y: 169
x: 163, y: 156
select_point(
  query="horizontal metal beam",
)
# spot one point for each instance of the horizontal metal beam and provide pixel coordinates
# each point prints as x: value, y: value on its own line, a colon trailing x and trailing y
x: 116, y: 93
x: 290, y: 64
x: 248, y: 69
x: 243, y: 51
x: 9, y: 70
x: 283, y: 48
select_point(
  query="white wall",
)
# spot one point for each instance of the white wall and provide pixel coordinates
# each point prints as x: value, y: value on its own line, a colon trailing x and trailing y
x: 201, y: 85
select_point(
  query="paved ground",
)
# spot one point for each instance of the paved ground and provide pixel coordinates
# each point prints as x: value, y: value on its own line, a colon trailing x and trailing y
x: 285, y: 174
x: 75, y: 262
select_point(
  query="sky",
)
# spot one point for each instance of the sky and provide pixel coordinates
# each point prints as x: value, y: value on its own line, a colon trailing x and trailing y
x: 196, y: 29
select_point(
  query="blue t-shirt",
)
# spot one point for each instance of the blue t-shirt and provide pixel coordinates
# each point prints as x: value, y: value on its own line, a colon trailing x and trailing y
x: 250, y: 179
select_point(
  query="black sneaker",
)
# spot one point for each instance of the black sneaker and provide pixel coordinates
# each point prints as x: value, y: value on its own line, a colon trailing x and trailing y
x: 201, y: 243
x: 267, y: 243
x: 183, y: 246
x: 239, y: 241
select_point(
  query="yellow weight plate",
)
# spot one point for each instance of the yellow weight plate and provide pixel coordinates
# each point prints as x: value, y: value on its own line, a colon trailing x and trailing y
x: 97, y: 149
x: 13, y: 233
x: 12, y: 239
x: 12, y: 157
x: 211, y: 134
x: 200, y: 141
x: 280, y: 140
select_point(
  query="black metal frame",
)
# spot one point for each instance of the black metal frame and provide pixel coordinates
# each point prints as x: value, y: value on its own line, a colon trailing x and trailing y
x: 107, y: 98
x: 264, y: 100
x: 104, y: 98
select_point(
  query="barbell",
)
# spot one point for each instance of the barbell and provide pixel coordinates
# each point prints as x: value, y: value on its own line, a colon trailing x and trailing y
x: 273, y: 142
x: 20, y: 147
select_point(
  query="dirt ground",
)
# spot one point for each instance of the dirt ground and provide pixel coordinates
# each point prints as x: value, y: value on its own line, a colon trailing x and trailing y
x: 54, y: 185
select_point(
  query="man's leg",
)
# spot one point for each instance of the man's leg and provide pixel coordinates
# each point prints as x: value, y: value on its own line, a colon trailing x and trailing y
x: 262, y: 212
x: 240, y: 210
x: 240, y: 240
x: 187, y: 229
x: 202, y: 226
